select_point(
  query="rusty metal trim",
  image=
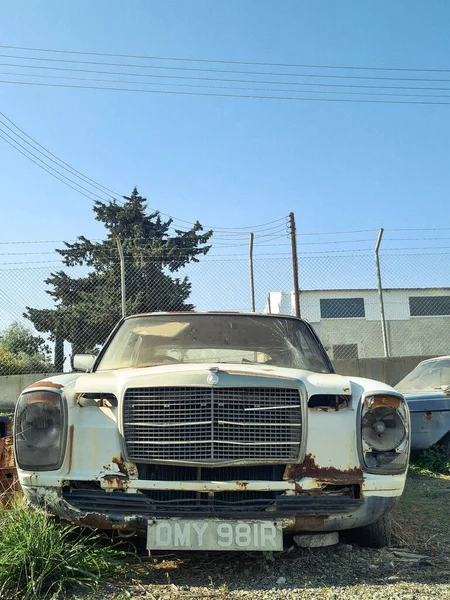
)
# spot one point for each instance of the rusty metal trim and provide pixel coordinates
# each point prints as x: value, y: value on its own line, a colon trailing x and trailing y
x: 45, y: 384
x: 197, y: 486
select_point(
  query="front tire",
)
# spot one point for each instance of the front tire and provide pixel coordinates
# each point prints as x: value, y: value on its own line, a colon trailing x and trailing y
x: 375, y: 535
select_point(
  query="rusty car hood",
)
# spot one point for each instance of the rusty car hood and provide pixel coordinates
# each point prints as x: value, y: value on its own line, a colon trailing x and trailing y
x: 196, y: 374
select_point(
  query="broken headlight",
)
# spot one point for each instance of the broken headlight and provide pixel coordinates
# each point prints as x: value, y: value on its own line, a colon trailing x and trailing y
x: 40, y: 427
x: 385, y: 433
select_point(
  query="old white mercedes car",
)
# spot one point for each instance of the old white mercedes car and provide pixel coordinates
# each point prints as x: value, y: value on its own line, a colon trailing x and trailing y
x: 214, y: 431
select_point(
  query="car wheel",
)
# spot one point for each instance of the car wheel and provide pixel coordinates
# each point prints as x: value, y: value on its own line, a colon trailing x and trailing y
x: 375, y: 535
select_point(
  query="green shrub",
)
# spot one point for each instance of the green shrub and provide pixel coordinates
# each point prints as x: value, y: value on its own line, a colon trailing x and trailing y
x: 40, y: 557
x: 433, y: 459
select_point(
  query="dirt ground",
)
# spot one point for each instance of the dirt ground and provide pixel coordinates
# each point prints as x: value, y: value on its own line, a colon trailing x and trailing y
x: 417, y: 567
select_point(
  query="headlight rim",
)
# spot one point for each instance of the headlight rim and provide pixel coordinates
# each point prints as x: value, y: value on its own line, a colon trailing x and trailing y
x: 56, y: 465
x: 403, y: 411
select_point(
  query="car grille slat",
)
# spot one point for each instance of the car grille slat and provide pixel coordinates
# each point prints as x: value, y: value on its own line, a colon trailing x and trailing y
x: 212, y: 424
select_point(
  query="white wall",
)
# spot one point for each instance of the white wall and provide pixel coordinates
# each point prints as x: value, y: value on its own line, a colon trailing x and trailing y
x: 408, y: 336
x: 12, y: 385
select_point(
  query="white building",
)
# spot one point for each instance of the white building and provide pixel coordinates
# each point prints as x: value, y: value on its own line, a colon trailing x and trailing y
x: 349, y: 321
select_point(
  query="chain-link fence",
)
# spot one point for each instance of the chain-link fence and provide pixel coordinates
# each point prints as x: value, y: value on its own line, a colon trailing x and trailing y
x: 45, y: 319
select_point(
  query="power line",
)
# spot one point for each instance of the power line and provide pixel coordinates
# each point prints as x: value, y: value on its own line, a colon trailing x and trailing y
x: 219, y: 95
x: 238, y: 88
x: 48, y: 158
x: 43, y: 162
x: 220, y: 79
x: 69, y: 167
x: 339, y: 232
x: 49, y: 172
x: 424, y: 229
x: 303, y: 66
x: 230, y: 62
x: 92, y: 196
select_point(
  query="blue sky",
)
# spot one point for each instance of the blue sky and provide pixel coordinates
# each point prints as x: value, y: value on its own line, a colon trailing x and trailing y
x: 234, y: 162
x: 228, y: 161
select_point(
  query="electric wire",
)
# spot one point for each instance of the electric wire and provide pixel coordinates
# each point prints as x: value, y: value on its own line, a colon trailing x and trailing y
x: 46, y: 164
x: 92, y: 195
x: 203, y: 70
x: 49, y: 172
x: 239, y: 88
x: 214, y: 79
x: 234, y: 62
x: 66, y: 165
x: 220, y: 95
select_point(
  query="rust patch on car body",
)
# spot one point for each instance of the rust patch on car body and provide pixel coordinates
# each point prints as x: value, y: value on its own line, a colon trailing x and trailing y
x: 309, y: 522
x: 242, y: 485
x: 70, y: 446
x: 49, y: 384
x: 125, y: 467
x: 428, y: 416
x: 309, y: 468
x: 116, y: 482
x: 96, y: 520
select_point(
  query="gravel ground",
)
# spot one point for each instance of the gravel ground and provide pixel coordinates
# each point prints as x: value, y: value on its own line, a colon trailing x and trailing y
x: 335, y: 573
x: 419, y: 570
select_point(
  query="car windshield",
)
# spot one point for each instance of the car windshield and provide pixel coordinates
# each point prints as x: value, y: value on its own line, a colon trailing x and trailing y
x: 149, y: 340
x: 430, y: 375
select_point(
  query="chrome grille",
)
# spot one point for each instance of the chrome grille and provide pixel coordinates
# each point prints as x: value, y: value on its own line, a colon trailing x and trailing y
x: 212, y: 424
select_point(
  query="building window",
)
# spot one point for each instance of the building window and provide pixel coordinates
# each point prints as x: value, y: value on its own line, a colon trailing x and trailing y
x: 345, y: 351
x: 426, y: 306
x: 342, y: 308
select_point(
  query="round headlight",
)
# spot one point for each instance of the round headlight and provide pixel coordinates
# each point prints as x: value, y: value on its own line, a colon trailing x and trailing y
x: 40, y: 430
x: 40, y: 423
x: 382, y: 428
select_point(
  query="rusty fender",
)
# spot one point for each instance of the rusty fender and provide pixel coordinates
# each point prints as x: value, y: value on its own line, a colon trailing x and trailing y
x: 50, y: 500
x: 331, y: 475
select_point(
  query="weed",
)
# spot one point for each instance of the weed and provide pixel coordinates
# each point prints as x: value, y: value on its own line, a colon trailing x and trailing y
x: 40, y: 558
x: 431, y: 460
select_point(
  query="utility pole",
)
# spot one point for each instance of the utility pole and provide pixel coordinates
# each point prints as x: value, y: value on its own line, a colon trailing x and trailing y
x: 252, y: 279
x: 294, y: 263
x: 380, y: 296
x: 122, y: 278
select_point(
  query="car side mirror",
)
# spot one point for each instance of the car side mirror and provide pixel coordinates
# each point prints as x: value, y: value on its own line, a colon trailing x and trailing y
x: 83, y: 362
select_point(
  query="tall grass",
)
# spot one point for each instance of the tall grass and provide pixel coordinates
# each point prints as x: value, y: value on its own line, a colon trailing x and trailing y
x: 40, y: 557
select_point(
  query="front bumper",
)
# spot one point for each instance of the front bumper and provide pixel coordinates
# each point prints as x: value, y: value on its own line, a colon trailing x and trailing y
x: 298, y: 509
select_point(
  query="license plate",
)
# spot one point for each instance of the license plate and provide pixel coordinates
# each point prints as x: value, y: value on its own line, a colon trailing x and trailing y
x: 211, y: 534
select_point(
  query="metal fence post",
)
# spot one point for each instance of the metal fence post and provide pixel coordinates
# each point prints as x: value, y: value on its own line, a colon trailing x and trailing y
x: 380, y: 296
x: 294, y: 263
x: 252, y: 278
x: 122, y: 278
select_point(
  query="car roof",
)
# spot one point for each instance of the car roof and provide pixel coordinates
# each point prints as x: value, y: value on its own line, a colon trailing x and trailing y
x: 437, y: 358
x: 214, y: 312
